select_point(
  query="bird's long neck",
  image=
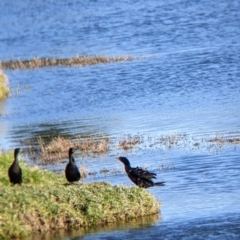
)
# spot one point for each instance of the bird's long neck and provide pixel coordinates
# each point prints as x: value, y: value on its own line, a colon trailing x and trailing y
x: 71, y: 159
x: 127, y: 166
x: 15, y: 158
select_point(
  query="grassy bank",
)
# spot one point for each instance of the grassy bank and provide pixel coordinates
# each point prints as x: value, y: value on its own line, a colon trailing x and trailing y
x: 4, y: 89
x: 45, y: 202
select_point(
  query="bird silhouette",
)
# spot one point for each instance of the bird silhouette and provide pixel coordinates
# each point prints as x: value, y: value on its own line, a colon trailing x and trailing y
x: 139, y: 176
x: 71, y: 172
x: 14, y: 171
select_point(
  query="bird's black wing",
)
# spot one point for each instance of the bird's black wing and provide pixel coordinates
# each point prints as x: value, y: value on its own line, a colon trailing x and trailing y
x: 141, y: 178
x: 20, y: 173
x: 143, y: 173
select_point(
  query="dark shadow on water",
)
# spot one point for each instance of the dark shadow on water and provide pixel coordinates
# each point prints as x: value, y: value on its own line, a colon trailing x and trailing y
x: 140, y: 223
x: 224, y: 226
x: 30, y: 138
x: 64, y: 129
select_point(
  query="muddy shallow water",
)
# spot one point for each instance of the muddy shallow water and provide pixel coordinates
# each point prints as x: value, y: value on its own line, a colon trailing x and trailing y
x: 187, y: 81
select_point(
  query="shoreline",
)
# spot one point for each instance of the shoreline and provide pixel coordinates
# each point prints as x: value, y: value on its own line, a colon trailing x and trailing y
x: 46, y: 202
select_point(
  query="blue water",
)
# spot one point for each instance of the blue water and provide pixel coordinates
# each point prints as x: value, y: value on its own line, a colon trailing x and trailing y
x: 186, y: 80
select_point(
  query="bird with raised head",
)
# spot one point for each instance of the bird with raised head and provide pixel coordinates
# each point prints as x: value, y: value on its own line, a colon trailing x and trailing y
x: 71, y: 172
x: 14, y: 171
x: 139, y: 176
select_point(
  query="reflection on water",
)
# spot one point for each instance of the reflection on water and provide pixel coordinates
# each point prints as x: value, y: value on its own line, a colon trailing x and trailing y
x: 222, y: 227
x: 3, y: 126
x: 51, y: 130
x: 141, y: 223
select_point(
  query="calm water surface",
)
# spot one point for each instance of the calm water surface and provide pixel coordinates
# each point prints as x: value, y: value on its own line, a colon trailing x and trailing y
x: 186, y: 81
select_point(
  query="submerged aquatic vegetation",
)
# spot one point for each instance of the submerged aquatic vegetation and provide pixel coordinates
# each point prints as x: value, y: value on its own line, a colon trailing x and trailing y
x: 221, y: 140
x: 129, y: 141
x: 233, y: 140
x: 69, y: 62
x: 46, y: 202
x: 55, y: 149
x: 171, y: 141
x: 4, y: 89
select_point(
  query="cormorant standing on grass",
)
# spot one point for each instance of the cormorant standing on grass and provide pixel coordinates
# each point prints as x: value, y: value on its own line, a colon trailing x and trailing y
x: 15, y: 172
x: 139, y: 176
x: 71, y: 172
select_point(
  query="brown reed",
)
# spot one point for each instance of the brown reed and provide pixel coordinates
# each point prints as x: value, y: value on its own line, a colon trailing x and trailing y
x: 57, y: 148
x: 80, y: 61
x: 129, y: 141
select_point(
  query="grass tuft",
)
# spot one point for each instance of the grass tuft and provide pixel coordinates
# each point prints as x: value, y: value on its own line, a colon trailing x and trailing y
x: 54, y: 149
x: 45, y: 202
x: 129, y: 141
x: 4, y: 89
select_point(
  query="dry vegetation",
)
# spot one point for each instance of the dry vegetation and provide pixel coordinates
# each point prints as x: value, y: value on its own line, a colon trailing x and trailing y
x: 201, y: 142
x: 4, y: 89
x: 80, y: 61
x: 221, y: 140
x: 128, y: 142
x: 218, y: 139
x: 92, y: 145
x: 215, y: 144
x: 56, y: 148
x: 234, y: 140
x: 170, y: 141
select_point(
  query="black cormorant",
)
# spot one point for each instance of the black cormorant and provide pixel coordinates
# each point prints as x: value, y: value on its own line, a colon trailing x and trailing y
x: 15, y: 172
x: 139, y: 176
x: 71, y: 172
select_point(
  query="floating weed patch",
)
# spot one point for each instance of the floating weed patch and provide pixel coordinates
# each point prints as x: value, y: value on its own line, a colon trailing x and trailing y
x: 129, y: 141
x: 193, y: 143
x: 80, y: 61
x: 221, y: 140
x: 171, y: 141
x: 217, y: 142
x: 45, y: 202
x: 55, y: 149
x: 234, y: 140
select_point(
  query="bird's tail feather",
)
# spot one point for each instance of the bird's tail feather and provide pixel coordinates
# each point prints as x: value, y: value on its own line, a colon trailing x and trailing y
x: 159, y: 184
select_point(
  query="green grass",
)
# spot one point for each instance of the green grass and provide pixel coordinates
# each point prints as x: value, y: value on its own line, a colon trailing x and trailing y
x: 46, y: 202
x: 4, y: 89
